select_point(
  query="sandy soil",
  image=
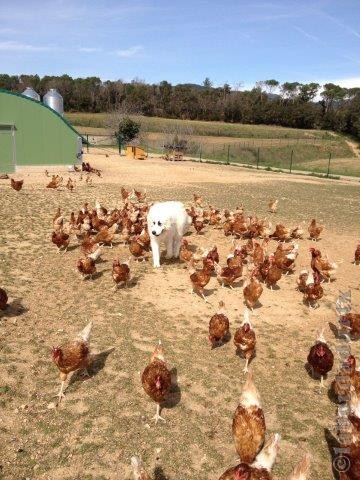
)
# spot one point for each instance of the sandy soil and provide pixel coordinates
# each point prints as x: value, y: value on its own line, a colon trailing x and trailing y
x: 106, y: 419
x: 156, y: 171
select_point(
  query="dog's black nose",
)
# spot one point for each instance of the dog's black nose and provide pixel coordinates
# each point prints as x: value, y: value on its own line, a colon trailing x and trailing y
x: 153, y: 232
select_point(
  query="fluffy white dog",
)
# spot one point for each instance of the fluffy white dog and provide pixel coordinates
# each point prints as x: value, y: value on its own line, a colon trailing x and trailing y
x: 167, y: 222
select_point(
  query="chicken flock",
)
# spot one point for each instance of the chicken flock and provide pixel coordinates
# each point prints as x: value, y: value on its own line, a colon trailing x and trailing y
x: 249, y: 262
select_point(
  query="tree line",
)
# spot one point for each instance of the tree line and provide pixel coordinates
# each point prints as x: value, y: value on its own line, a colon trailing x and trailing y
x: 293, y: 105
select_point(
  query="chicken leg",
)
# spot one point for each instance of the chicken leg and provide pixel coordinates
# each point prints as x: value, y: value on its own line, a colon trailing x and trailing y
x: 63, y: 378
x: 203, y: 296
x: 245, y: 369
x: 157, y: 416
x: 61, y: 392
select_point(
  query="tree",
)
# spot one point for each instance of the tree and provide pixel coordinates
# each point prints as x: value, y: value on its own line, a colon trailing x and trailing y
x: 207, y: 83
x: 128, y: 129
x: 338, y: 110
x: 260, y: 86
x: 270, y: 85
x: 226, y: 89
x: 332, y: 94
x: 165, y: 90
x: 308, y: 91
x: 290, y: 90
x: 30, y: 81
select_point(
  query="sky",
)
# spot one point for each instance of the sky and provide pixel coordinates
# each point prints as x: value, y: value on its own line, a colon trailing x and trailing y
x: 230, y: 41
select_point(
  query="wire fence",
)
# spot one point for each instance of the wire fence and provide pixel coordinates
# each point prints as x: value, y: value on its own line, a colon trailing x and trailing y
x: 327, y: 157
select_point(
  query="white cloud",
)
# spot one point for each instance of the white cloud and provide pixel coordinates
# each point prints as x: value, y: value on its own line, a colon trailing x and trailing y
x: 349, y: 29
x: 309, y: 35
x: 349, y: 82
x: 129, y: 52
x: 13, y: 46
x: 89, y: 49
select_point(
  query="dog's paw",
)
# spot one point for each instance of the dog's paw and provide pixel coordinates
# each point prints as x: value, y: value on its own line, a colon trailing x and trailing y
x: 168, y: 257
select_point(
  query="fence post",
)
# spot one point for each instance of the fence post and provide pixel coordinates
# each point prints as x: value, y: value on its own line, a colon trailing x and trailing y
x: 328, y: 169
x: 87, y: 143
x: 119, y: 143
x: 228, y: 155
x: 200, y: 153
x: 258, y: 158
x: 291, y: 159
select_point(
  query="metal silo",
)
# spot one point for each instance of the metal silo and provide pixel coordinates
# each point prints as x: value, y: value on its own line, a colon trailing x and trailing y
x: 30, y: 92
x: 54, y: 100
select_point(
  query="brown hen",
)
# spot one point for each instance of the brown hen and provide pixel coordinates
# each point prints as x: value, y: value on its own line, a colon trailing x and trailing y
x: 16, y: 184
x: 273, y: 205
x: 73, y: 355
x: 245, y: 340
x: 106, y: 235
x: 120, y: 273
x: 252, y: 290
x: 3, y: 299
x: 185, y: 254
x: 357, y: 255
x: 352, y: 320
x: 248, y: 426
x: 137, y: 249
x: 346, y: 378
x: 156, y: 379
x: 274, y: 273
x: 301, y: 281
x: 200, y: 278
x: 260, y: 469
x: 320, y: 358
x: 315, y: 230
x: 86, y: 267
x: 60, y: 239
x: 219, y: 326
x: 313, y: 291
x: 326, y: 268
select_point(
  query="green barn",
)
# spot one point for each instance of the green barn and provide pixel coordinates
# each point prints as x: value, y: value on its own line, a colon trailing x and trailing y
x: 32, y: 133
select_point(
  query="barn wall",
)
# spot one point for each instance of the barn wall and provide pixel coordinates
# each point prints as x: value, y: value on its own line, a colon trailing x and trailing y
x: 42, y: 136
x: 6, y: 150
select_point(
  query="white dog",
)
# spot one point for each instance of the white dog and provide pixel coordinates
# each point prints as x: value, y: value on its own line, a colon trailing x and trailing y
x: 167, y: 222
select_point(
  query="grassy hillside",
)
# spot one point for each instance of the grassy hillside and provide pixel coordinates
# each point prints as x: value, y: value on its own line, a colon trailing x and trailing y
x: 270, y: 146
x: 196, y: 127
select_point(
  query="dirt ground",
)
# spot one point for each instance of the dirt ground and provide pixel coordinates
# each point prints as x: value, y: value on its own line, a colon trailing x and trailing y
x: 106, y: 419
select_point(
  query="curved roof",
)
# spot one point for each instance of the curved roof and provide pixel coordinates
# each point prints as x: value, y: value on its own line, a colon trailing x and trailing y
x: 54, y: 112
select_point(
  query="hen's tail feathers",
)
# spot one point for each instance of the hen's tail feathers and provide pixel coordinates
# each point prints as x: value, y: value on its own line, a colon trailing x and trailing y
x: 266, y: 458
x: 246, y: 317
x: 301, y: 471
x: 85, y: 334
x: 136, y: 464
x: 138, y: 469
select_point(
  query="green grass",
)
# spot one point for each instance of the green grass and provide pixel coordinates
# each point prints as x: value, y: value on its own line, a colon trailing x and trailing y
x: 311, y: 148
x: 197, y: 127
